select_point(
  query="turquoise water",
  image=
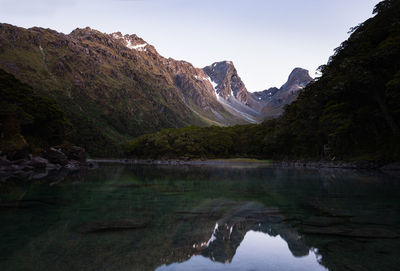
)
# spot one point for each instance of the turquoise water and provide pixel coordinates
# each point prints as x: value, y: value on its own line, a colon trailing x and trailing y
x: 201, y: 218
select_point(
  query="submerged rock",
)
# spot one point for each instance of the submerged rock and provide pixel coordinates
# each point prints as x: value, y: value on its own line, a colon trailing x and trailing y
x: 114, y: 225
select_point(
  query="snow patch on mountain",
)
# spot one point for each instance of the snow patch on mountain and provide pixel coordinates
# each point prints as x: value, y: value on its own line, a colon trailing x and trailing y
x: 117, y: 36
x: 138, y: 47
x: 214, y: 85
x: 213, y: 236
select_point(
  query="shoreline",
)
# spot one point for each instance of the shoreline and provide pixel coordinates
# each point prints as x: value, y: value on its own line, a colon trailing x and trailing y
x: 365, y: 165
x: 178, y: 162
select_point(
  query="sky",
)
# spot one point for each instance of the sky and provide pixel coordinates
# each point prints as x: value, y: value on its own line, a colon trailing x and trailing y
x: 265, y: 39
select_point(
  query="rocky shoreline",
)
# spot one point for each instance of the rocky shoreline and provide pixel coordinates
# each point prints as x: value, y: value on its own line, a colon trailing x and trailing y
x: 55, y: 158
x: 362, y: 164
x: 178, y: 162
x: 366, y: 165
x: 71, y: 159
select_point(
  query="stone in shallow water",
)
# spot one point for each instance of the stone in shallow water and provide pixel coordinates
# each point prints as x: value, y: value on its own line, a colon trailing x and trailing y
x: 114, y: 225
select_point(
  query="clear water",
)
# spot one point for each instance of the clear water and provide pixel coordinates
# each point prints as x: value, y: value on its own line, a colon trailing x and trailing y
x: 200, y: 218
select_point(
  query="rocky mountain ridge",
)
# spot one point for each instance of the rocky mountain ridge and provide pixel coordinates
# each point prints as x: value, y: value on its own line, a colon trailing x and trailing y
x: 232, y: 92
x: 114, y: 87
x: 111, y: 87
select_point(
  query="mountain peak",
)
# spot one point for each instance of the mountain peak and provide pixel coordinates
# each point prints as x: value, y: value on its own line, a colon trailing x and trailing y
x: 232, y: 90
x: 298, y: 76
x: 78, y: 30
x: 84, y: 32
x: 131, y: 41
x: 225, y: 75
x: 117, y: 35
x: 275, y: 99
x: 221, y: 66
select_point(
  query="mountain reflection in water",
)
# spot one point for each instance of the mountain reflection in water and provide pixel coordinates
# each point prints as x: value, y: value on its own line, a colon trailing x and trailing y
x: 201, y: 218
x: 249, y: 236
x: 258, y: 251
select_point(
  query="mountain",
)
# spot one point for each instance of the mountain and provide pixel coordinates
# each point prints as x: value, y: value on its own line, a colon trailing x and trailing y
x: 111, y: 87
x: 114, y: 87
x: 254, y: 106
x: 275, y: 99
x: 232, y: 92
x: 351, y: 112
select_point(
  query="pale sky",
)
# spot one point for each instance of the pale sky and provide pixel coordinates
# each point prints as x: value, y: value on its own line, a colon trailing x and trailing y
x: 265, y: 39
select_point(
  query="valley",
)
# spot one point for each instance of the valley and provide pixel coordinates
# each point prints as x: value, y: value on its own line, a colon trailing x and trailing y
x: 113, y: 87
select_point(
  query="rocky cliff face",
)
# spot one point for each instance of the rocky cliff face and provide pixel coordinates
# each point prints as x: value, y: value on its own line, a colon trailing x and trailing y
x: 275, y: 99
x: 232, y: 92
x: 298, y: 79
x: 265, y: 95
x: 228, y: 82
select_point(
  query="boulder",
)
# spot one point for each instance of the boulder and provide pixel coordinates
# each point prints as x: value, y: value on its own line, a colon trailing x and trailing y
x: 18, y: 154
x: 56, y: 156
x: 38, y: 162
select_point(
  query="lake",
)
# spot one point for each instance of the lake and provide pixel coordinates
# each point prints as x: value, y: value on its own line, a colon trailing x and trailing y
x: 227, y: 217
